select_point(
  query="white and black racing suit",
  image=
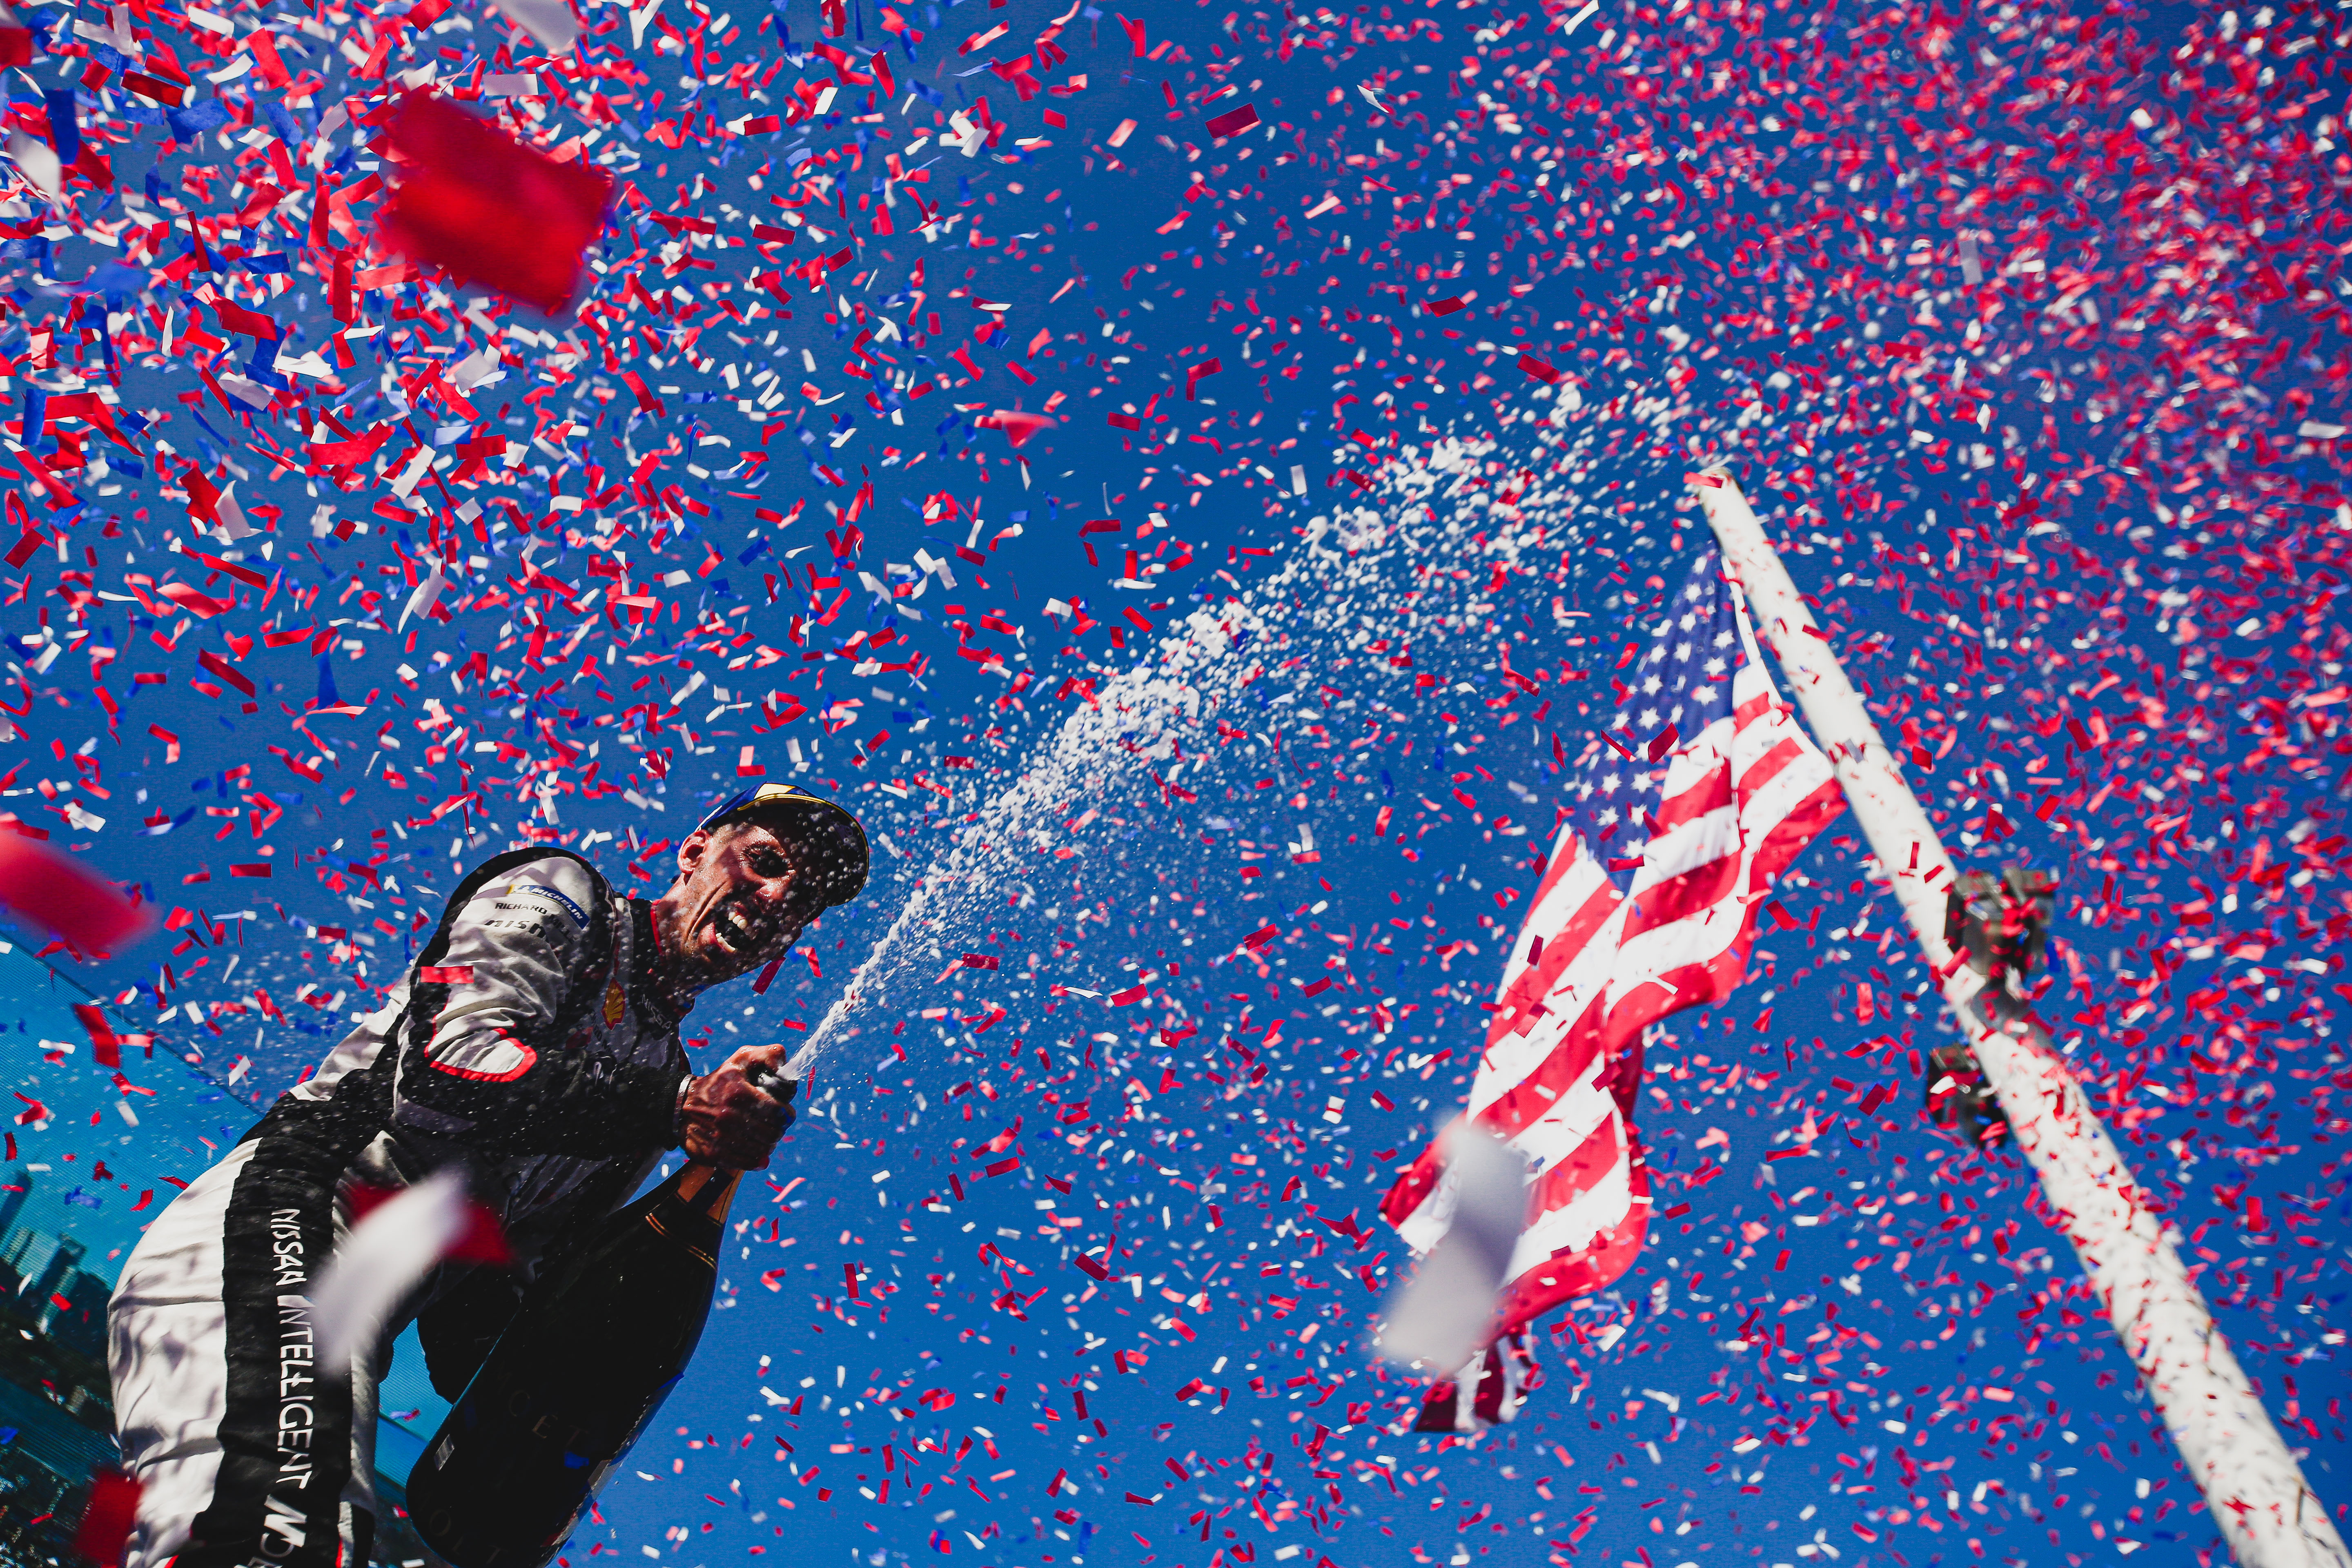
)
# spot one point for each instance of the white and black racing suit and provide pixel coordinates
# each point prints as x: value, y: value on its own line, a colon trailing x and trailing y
x: 529, y: 1044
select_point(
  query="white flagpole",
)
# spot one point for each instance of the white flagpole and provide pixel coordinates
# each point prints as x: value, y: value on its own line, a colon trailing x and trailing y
x: 2252, y: 1485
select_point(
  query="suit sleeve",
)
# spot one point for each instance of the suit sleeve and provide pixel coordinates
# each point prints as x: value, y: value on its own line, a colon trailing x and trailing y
x: 491, y: 1068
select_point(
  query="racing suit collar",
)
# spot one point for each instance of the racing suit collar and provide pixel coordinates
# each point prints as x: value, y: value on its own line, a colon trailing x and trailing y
x: 662, y: 1002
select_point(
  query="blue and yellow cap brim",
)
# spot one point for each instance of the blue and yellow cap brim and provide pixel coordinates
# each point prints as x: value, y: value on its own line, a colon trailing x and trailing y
x: 826, y: 828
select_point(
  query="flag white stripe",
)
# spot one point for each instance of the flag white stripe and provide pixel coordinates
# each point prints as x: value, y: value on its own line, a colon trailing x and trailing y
x: 1563, y: 1129
x: 1690, y: 847
x: 1598, y: 1209
x: 1788, y: 789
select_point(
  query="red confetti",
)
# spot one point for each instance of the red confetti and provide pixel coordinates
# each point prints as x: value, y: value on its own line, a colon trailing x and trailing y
x: 489, y: 210
x: 56, y: 891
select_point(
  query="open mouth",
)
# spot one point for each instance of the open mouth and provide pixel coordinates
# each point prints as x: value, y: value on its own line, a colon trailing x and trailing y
x: 736, y: 934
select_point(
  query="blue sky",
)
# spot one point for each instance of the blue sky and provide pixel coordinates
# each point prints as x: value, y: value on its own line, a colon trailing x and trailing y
x: 1093, y: 757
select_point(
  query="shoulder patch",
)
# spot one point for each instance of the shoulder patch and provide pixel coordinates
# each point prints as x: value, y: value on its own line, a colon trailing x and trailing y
x: 579, y: 916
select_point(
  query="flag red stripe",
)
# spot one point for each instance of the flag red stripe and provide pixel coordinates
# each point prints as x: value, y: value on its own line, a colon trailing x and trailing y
x: 1793, y: 832
x: 1697, y: 985
x: 1676, y: 900
x: 1711, y: 793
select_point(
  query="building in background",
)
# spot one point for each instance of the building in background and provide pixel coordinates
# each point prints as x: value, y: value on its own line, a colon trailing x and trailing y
x: 18, y: 1188
x: 56, y: 1418
x: 58, y: 1270
x: 57, y: 1423
x: 76, y: 1316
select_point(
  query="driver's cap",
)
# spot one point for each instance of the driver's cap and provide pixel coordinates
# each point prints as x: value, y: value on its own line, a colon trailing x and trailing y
x: 829, y: 830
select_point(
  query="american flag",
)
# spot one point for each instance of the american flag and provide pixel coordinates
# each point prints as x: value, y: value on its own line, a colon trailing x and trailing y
x: 1700, y: 790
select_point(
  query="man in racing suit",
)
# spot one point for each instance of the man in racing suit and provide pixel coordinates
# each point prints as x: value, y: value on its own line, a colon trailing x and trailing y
x: 535, y: 1043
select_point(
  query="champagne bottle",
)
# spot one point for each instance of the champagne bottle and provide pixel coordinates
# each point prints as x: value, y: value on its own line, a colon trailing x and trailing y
x: 574, y: 1379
